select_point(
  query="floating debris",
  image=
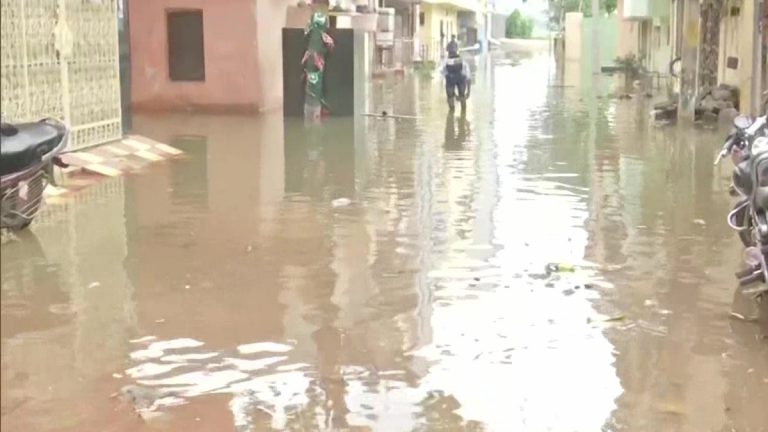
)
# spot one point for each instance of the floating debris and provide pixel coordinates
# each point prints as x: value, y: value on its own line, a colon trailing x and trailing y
x: 741, y: 317
x: 62, y: 309
x: 615, y: 318
x: 341, y: 202
x: 560, y: 268
x: 650, y: 303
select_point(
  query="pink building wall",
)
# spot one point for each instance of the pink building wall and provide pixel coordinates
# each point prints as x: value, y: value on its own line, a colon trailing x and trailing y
x: 243, y: 56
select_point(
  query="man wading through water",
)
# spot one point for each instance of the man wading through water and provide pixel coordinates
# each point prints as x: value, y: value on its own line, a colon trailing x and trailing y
x: 457, y: 80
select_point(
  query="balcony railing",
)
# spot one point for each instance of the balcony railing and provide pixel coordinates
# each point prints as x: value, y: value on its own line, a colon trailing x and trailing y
x: 431, y: 50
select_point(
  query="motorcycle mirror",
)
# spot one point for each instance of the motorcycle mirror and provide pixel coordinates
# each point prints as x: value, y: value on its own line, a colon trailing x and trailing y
x: 742, y: 122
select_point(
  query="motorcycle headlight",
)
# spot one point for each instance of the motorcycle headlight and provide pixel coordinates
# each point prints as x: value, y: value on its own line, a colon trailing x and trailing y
x: 742, y: 122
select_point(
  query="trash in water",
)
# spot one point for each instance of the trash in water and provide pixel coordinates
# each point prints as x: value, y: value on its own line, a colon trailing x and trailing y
x: 560, y: 268
x: 62, y: 309
x: 615, y: 318
x: 670, y: 408
x: 94, y: 285
x: 699, y: 222
x: 341, y: 202
x: 741, y: 317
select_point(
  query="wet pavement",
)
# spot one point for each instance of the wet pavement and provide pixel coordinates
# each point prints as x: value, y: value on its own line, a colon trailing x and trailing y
x: 389, y: 275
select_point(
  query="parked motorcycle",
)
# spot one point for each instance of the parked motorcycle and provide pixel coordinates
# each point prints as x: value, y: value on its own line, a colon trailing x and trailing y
x: 28, y: 152
x: 757, y: 208
x: 747, y: 145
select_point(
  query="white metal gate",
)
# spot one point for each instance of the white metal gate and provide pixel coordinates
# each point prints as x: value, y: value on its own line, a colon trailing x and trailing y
x: 60, y: 58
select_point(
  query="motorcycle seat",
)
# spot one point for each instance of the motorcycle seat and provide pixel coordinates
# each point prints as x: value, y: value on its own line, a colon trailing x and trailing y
x: 23, y: 144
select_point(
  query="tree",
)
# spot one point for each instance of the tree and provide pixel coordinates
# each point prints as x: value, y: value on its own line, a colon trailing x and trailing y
x: 518, y: 26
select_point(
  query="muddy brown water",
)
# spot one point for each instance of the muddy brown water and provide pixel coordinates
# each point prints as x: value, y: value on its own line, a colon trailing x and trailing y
x: 389, y: 275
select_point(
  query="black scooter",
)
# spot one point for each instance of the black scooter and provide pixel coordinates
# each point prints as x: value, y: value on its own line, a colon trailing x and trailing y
x: 28, y: 152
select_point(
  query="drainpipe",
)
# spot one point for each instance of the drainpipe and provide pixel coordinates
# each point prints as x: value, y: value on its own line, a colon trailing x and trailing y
x: 757, y: 58
x: 416, y: 27
x: 595, y: 38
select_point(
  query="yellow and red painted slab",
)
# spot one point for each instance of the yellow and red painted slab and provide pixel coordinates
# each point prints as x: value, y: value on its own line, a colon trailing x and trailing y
x: 89, y: 166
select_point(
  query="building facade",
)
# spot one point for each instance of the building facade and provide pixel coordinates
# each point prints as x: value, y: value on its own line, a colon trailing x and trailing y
x: 438, y: 20
x: 207, y: 55
x: 715, y: 40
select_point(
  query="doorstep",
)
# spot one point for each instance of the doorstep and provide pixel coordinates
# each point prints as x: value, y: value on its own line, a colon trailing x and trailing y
x: 131, y: 154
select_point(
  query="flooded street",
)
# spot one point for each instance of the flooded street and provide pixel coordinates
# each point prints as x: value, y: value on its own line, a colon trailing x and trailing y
x: 390, y: 275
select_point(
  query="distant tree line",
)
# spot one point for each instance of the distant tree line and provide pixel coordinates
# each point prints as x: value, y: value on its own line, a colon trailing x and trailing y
x: 518, y: 26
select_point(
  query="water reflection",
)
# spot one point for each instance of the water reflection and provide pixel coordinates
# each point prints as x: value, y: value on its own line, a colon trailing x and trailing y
x: 455, y: 135
x: 234, y: 288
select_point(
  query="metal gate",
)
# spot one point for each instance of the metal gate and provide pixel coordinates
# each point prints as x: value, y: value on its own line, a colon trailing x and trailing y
x: 60, y: 58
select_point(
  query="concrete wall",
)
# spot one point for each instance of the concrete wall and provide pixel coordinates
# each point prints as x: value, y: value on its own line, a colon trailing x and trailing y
x: 430, y: 31
x: 736, y: 41
x: 607, y: 33
x: 498, y: 26
x: 661, y: 46
x: 240, y: 56
x: 573, y: 36
x: 270, y: 19
x: 629, y: 31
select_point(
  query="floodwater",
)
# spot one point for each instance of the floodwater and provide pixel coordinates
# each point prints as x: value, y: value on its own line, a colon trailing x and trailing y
x: 389, y: 275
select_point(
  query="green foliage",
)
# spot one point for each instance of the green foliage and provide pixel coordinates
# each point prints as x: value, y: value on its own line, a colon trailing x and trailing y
x: 631, y: 65
x: 630, y: 61
x: 518, y: 26
x: 558, y: 9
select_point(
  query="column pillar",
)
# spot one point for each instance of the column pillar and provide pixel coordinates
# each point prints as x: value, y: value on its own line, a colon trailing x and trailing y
x: 689, y: 61
x: 416, y: 33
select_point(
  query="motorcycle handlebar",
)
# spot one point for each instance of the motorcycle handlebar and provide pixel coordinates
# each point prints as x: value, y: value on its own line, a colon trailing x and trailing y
x: 727, y: 147
x: 752, y: 278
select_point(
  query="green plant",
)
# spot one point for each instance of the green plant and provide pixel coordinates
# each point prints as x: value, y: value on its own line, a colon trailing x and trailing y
x: 518, y: 26
x: 628, y: 62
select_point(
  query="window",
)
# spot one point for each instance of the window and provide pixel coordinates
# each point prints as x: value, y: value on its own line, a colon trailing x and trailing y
x: 186, y: 53
x: 421, y: 19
